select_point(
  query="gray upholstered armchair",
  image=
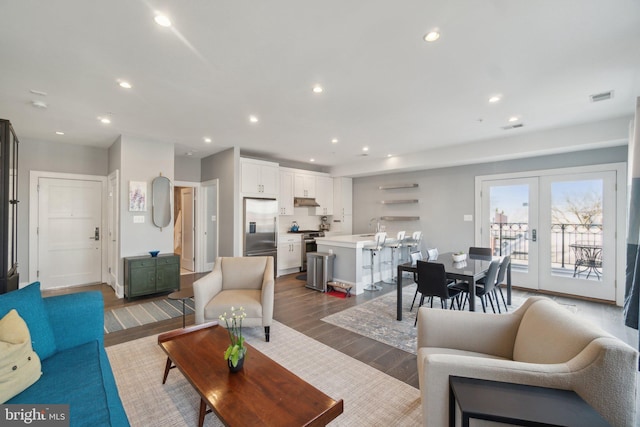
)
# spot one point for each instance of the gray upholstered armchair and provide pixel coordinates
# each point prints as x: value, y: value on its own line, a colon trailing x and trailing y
x: 240, y: 282
x: 541, y: 344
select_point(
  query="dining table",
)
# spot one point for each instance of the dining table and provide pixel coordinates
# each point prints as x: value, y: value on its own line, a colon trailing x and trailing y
x: 470, y: 270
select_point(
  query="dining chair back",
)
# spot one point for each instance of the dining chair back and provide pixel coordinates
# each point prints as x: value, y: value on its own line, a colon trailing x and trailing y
x: 504, y: 267
x: 491, y: 278
x: 479, y: 251
x: 432, y: 282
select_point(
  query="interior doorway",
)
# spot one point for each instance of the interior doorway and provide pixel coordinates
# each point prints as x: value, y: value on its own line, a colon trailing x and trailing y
x: 184, y: 227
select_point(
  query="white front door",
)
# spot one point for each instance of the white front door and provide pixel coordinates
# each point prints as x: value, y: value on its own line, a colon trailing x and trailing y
x: 69, y: 232
x: 188, y: 255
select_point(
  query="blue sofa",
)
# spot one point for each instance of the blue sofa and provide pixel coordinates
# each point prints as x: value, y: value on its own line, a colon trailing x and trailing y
x: 75, y: 367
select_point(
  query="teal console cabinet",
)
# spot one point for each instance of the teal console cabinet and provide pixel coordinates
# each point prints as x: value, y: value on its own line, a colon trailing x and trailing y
x: 146, y: 275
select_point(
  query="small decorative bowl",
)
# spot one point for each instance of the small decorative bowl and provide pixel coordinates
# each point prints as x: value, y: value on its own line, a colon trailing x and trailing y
x: 154, y: 253
x: 459, y: 257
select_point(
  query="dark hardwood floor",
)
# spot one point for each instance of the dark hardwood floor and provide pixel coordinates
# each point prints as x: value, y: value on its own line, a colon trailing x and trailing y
x: 301, y: 309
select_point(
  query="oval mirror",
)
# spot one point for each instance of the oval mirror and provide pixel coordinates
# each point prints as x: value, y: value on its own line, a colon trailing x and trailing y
x: 161, y: 201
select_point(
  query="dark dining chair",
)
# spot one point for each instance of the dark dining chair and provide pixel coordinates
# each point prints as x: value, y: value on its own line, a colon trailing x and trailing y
x: 433, y: 282
x: 502, y: 272
x: 484, y: 292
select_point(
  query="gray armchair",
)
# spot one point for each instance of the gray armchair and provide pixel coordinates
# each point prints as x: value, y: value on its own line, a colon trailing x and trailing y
x: 239, y: 282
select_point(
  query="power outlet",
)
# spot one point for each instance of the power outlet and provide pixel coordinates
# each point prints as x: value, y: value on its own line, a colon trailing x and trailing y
x: 468, y: 217
x: 138, y: 219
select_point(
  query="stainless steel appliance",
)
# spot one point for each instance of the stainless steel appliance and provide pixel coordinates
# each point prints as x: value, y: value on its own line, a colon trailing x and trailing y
x: 308, y: 244
x: 261, y: 228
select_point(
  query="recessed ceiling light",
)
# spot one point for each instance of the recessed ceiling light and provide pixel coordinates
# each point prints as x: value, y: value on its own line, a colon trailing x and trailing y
x: 495, y: 98
x: 389, y: 155
x: 432, y: 36
x: 365, y: 148
x: 59, y: 133
x: 334, y: 141
x: 124, y: 84
x: 39, y: 104
x: 105, y: 120
x: 207, y: 140
x: 318, y: 89
x: 162, y: 20
x: 514, y: 118
x: 312, y: 160
x: 253, y: 119
x: 189, y: 153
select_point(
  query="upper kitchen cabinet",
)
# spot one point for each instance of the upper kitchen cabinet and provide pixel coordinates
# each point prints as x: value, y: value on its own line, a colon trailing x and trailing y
x: 285, y: 198
x: 259, y: 178
x: 304, y: 185
x: 324, y: 195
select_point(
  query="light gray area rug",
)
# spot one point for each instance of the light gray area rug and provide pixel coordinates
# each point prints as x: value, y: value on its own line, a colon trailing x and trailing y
x: 371, y: 398
x: 144, y: 313
x: 376, y: 319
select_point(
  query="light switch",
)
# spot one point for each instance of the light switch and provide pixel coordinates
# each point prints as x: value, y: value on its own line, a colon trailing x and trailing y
x: 138, y: 219
x: 468, y: 217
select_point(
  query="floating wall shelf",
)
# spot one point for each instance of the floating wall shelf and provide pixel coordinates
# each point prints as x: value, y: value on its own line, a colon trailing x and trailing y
x: 394, y: 186
x: 399, y: 218
x: 397, y: 202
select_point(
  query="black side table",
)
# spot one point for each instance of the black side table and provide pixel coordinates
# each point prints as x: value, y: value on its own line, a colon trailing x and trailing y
x: 183, y: 294
x: 518, y: 404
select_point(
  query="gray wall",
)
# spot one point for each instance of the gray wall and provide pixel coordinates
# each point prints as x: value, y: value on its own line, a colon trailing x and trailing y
x: 49, y: 157
x: 446, y: 194
x: 187, y: 169
x: 224, y: 167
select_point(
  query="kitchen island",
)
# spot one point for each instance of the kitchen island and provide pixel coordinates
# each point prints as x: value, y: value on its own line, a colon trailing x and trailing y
x: 351, y: 264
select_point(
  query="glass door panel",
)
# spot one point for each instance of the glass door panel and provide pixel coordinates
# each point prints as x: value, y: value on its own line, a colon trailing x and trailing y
x: 511, y: 225
x: 579, y: 251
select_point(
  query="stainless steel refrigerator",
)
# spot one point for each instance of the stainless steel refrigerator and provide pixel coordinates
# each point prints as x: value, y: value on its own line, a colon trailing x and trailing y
x: 261, y: 229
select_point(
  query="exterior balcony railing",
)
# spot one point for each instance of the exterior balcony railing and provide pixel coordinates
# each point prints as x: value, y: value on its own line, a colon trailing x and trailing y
x: 513, y: 238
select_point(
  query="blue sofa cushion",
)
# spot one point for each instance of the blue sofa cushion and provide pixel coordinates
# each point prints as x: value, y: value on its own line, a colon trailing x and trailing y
x: 29, y: 304
x: 73, y: 377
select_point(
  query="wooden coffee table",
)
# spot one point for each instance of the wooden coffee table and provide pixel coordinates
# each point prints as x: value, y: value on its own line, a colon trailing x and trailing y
x: 262, y: 393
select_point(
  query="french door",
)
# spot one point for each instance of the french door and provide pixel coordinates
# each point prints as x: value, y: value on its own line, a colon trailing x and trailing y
x: 559, y: 229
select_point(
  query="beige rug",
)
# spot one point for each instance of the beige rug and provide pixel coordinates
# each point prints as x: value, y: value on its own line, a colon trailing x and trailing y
x: 371, y: 398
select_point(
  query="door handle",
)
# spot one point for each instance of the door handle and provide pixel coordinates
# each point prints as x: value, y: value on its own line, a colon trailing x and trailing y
x: 96, y: 236
x: 534, y: 235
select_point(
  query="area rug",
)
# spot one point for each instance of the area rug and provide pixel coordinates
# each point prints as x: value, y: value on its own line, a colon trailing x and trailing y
x: 376, y: 319
x: 371, y: 398
x: 144, y: 313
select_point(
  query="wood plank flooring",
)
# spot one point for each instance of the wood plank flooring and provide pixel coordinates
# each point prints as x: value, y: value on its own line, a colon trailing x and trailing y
x: 301, y: 309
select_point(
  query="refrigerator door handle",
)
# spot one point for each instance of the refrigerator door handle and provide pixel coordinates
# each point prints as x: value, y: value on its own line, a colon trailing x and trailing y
x: 275, y: 231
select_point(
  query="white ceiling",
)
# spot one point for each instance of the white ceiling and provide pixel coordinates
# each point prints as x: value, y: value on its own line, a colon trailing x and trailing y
x: 385, y: 87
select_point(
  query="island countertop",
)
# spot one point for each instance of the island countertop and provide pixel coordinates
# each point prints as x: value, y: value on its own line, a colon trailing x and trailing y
x: 349, y: 241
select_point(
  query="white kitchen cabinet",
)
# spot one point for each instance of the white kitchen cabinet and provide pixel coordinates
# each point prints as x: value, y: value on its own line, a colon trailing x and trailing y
x: 324, y: 195
x: 342, y: 206
x: 259, y: 178
x: 304, y: 185
x: 285, y: 197
x: 289, y: 252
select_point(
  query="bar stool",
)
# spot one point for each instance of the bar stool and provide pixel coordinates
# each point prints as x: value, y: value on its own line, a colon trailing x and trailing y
x: 413, y: 243
x: 397, y: 244
x: 374, y: 249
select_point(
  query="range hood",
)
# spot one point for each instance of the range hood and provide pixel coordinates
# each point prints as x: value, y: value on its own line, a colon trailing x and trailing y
x: 303, y: 202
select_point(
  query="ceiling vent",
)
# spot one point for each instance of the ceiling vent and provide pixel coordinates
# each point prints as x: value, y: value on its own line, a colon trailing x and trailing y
x: 518, y: 125
x: 601, y: 96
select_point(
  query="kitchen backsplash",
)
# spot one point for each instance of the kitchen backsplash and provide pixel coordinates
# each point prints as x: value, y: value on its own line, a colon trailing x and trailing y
x: 302, y: 216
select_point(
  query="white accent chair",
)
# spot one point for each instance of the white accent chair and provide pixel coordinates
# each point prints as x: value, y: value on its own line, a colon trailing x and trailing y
x: 239, y: 282
x: 541, y: 344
